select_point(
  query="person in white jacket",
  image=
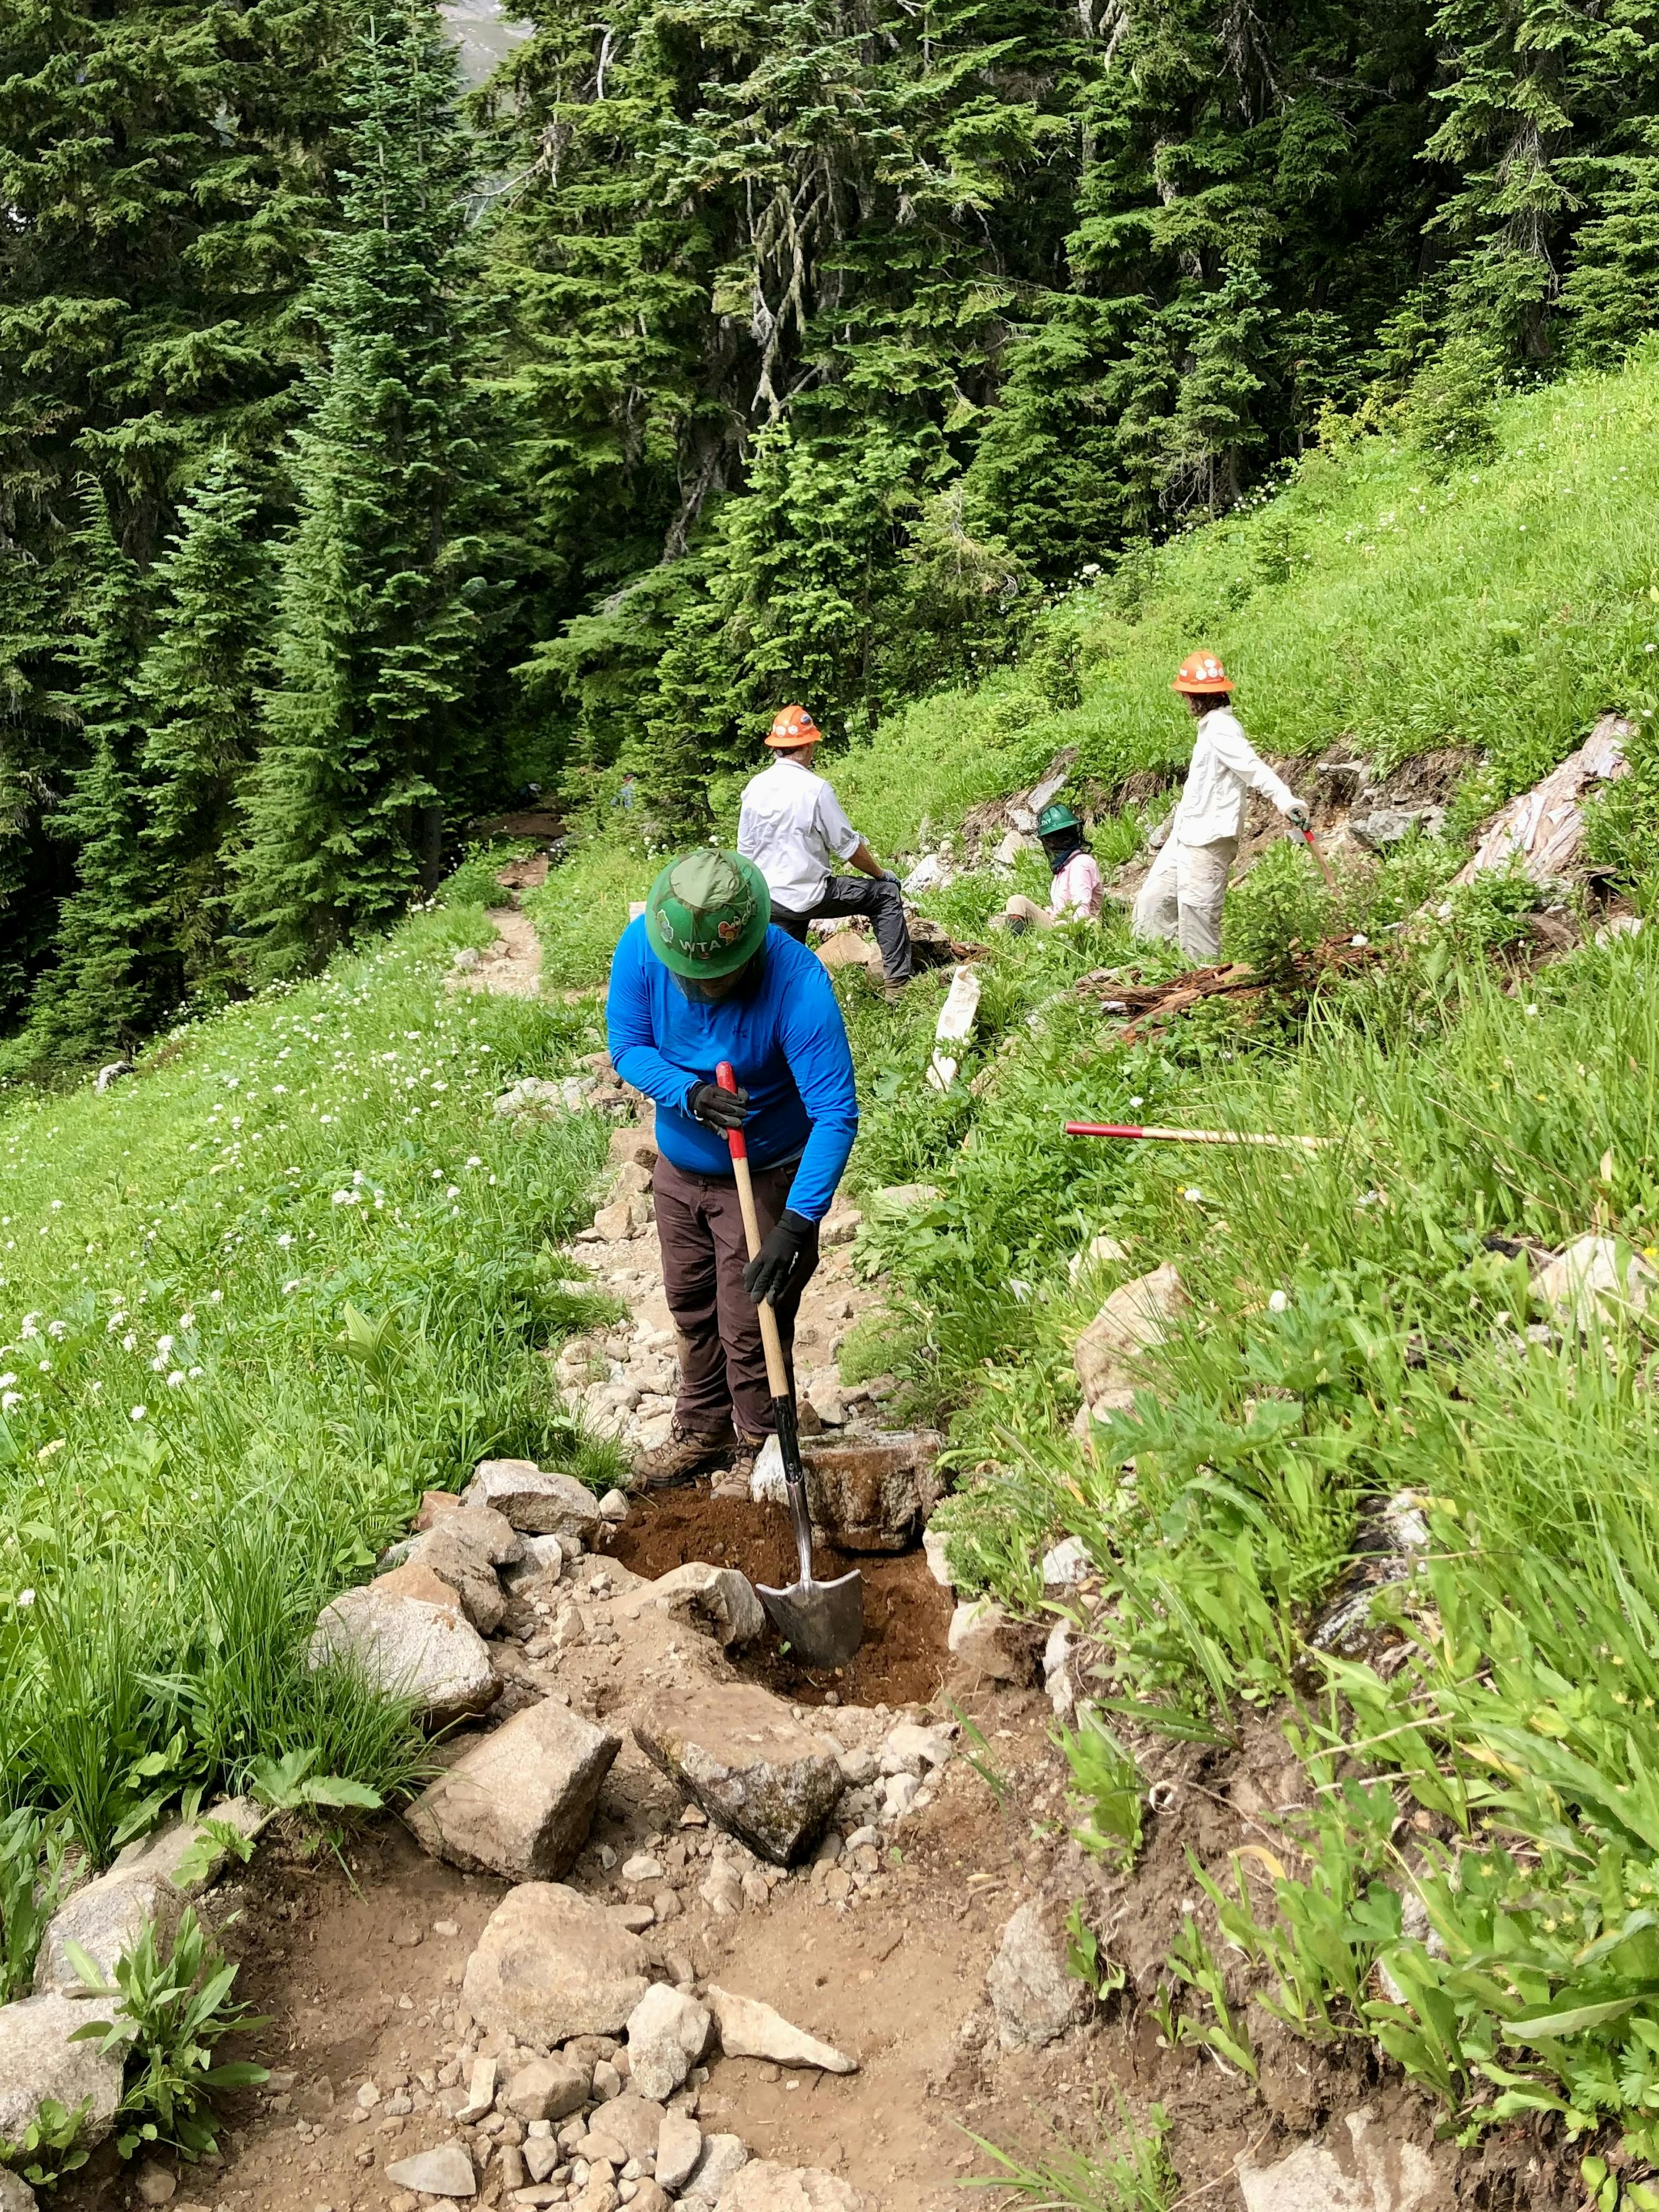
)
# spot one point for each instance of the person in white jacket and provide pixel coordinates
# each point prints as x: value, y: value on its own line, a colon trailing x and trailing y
x: 1183, y: 896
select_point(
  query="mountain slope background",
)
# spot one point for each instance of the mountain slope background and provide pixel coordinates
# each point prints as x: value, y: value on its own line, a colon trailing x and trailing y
x: 699, y: 358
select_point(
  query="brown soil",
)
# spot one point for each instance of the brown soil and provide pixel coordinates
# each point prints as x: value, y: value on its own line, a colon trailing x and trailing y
x: 903, y: 1658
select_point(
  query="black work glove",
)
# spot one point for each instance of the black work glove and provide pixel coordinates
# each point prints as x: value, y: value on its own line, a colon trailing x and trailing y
x: 890, y: 876
x: 768, y: 1274
x: 717, y: 1109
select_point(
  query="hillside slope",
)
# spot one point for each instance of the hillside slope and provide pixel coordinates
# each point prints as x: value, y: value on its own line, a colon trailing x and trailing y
x: 1375, y: 1383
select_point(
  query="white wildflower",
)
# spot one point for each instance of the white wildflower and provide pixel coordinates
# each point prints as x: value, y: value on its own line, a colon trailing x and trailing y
x: 139, y: 1414
x: 128, y: 1342
x: 176, y: 1380
x: 1277, y: 1302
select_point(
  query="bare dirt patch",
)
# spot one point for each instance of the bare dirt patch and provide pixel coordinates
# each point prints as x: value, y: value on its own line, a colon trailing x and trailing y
x: 903, y: 1659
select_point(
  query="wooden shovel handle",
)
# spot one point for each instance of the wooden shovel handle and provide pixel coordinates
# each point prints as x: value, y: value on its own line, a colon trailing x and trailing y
x: 777, y: 1374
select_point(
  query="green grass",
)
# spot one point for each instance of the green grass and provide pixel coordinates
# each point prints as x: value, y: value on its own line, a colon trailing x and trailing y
x: 1355, y: 1330
x: 195, y: 1455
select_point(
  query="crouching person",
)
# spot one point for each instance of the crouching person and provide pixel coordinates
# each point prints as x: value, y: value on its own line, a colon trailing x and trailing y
x: 1076, y: 892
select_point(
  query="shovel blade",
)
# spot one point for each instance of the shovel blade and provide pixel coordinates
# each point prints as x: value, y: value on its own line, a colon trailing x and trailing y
x: 823, y: 1623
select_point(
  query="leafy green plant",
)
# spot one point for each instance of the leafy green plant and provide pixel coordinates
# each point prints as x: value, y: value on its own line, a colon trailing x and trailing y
x: 172, y: 2012
x: 50, y: 2146
x: 31, y: 1884
x: 1084, y: 1960
x: 1109, y: 1787
x: 1196, y: 1968
x: 287, y: 1784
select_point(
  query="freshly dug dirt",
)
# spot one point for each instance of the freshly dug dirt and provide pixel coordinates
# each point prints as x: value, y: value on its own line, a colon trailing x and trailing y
x: 903, y: 1658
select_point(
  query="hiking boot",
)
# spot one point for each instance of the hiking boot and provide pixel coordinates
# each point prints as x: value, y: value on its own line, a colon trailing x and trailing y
x: 749, y: 1449
x: 894, y: 992
x: 683, y: 1458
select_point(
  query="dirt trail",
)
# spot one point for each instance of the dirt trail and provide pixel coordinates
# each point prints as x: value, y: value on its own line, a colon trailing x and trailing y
x: 355, y: 1947
x: 513, y: 965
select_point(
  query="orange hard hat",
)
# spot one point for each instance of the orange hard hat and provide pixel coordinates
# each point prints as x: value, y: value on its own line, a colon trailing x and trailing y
x: 1201, y: 671
x: 794, y: 727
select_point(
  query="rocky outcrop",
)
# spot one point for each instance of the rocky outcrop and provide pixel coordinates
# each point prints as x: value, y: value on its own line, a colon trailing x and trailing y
x: 740, y: 1754
x: 519, y: 1804
x: 551, y: 1965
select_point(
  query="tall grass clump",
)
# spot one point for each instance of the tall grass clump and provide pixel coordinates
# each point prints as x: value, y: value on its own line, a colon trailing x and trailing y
x: 254, y: 1298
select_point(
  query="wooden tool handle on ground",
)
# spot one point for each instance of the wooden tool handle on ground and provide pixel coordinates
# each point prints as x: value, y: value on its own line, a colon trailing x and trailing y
x: 777, y: 1374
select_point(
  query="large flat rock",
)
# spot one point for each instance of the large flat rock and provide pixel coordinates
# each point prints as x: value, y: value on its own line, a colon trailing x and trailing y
x: 764, y: 2186
x: 521, y: 1802
x: 1135, y: 1319
x: 409, y: 1648
x: 551, y: 1964
x: 37, y: 2061
x: 742, y: 1756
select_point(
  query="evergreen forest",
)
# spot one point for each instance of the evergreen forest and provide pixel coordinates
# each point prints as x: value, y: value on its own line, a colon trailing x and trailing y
x: 373, y: 453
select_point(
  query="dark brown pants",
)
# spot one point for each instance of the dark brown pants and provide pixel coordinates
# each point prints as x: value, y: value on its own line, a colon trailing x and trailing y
x: 704, y: 1252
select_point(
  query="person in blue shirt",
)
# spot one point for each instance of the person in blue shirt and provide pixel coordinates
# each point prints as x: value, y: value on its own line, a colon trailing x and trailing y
x: 702, y: 976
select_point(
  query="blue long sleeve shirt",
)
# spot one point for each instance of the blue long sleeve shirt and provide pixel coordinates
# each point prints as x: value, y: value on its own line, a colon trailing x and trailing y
x: 786, y: 1042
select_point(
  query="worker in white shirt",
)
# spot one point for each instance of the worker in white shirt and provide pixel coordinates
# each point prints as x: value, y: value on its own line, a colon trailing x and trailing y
x: 1075, y: 889
x: 1183, y: 896
x: 792, y: 828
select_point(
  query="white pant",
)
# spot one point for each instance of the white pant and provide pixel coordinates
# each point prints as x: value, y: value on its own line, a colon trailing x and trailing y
x: 1183, y: 896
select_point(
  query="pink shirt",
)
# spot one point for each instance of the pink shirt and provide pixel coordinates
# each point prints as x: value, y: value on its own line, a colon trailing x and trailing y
x: 1076, y: 893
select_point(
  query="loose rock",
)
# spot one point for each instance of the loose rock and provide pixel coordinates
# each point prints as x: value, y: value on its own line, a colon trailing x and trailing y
x: 521, y: 1802
x: 763, y: 2186
x: 719, y: 1599
x: 873, y: 1494
x: 446, y: 2171
x: 1034, y: 1998
x: 550, y: 1965
x: 547, y: 2089
x: 984, y: 1638
x: 15, y: 2195
x: 106, y: 1919
x: 740, y: 1752
x: 679, y: 2146
x: 750, y: 2029
x: 668, y: 2032
x: 408, y: 1649
x: 1596, y: 1281
x: 37, y: 2061
x: 633, y: 2123
x: 909, y: 1747
x: 1136, y: 1317
x: 538, y: 1502
x: 1362, y: 2165
x: 722, y: 2157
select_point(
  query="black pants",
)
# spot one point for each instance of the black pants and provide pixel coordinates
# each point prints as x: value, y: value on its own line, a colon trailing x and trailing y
x: 881, y: 902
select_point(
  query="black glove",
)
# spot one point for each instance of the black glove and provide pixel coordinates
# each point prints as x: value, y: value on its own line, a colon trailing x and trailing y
x: 718, y: 1108
x: 890, y: 876
x: 768, y: 1274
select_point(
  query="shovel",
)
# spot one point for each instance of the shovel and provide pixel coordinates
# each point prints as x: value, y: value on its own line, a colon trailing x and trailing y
x: 823, y: 1623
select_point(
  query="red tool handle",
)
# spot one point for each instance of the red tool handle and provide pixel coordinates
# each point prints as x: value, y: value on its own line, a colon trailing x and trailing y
x: 1324, y: 870
x: 1104, y: 1129
x: 726, y: 1076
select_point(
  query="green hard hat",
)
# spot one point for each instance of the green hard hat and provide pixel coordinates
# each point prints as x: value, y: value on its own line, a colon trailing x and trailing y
x: 708, y: 913
x: 1055, y: 817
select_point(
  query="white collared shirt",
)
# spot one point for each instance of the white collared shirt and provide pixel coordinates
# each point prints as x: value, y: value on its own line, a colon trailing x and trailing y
x: 792, y: 828
x: 1226, y: 767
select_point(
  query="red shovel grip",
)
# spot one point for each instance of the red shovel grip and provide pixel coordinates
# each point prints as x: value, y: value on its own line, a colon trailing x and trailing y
x: 726, y: 1076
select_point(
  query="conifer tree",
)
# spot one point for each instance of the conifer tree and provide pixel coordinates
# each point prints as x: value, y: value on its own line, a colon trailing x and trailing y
x: 378, y: 627
x: 110, y: 982
x: 196, y: 692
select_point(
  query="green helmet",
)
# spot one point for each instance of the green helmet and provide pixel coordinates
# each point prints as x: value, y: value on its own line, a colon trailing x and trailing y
x: 706, y: 913
x: 1056, y: 817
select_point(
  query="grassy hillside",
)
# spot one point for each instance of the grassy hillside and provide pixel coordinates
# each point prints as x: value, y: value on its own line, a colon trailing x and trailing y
x: 1475, y: 1888
x: 257, y: 1296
